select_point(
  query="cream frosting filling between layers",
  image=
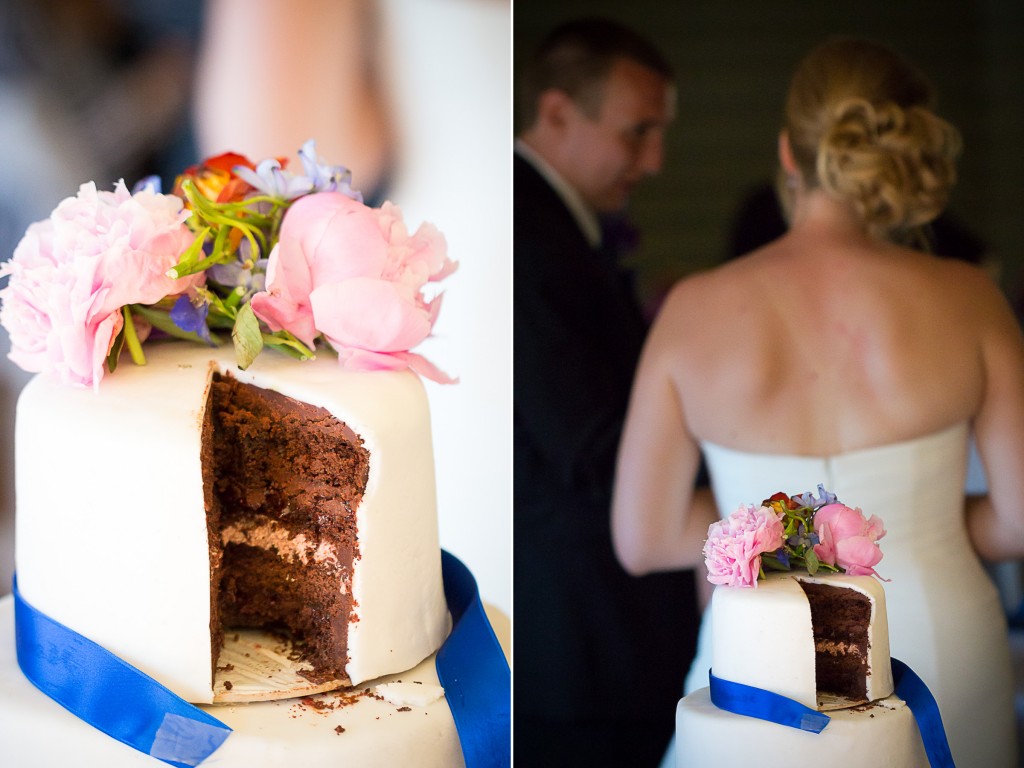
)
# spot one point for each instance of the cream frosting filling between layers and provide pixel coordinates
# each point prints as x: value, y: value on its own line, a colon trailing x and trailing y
x: 269, y: 535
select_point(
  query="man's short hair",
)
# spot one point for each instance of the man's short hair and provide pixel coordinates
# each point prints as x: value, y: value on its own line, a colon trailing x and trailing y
x: 576, y: 58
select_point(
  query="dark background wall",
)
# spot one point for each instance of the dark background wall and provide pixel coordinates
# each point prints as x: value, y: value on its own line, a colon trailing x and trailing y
x: 734, y: 59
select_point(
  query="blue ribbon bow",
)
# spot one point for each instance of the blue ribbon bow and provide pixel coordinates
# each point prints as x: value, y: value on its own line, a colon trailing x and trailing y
x: 94, y: 684
x: 747, y: 700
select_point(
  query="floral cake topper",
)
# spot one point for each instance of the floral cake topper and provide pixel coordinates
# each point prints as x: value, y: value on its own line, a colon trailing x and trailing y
x: 269, y: 257
x: 807, y: 532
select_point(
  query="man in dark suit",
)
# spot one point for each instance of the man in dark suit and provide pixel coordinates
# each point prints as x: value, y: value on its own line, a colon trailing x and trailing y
x: 599, y: 656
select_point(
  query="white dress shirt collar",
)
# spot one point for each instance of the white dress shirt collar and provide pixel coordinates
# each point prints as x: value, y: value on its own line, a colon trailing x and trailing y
x: 585, y: 218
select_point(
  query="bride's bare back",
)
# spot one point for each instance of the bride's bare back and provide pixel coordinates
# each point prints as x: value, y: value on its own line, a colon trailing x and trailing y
x: 826, y: 341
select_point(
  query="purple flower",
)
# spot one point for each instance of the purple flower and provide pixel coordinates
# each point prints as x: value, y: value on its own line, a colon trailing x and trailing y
x: 273, y: 180
x: 326, y: 178
x: 148, y: 184
x: 191, y: 317
x: 277, y: 182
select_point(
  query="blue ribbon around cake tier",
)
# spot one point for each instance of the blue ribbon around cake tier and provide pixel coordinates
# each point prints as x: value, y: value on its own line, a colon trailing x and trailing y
x: 747, y: 700
x: 94, y: 684
x: 474, y: 673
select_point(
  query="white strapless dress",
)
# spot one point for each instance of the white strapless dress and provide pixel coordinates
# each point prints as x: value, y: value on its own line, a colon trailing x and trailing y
x: 945, y: 618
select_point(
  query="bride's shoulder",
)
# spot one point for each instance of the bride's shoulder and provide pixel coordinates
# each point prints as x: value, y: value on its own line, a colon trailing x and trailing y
x: 706, y: 289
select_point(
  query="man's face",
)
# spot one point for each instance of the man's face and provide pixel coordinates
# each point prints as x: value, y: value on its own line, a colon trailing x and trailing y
x: 608, y: 155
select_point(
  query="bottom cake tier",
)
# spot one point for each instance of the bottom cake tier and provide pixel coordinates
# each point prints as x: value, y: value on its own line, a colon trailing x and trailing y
x: 882, y: 734
x: 357, y: 727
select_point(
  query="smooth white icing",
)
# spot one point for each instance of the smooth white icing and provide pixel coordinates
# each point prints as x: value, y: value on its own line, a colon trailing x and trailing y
x: 762, y: 636
x: 37, y: 731
x: 882, y: 733
x: 111, y: 528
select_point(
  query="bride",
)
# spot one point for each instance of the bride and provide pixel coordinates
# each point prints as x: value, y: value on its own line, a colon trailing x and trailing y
x: 839, y: 354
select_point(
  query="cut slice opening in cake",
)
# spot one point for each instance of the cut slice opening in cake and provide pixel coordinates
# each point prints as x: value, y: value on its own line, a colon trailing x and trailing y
x: 840, y: 618
x: 282, y: 482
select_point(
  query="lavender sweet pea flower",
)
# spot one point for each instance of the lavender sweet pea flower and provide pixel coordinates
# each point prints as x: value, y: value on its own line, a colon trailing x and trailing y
x: 277, y: 182
x: 824, y: 498
x: 273, y: 180
x: 324, y: 177
x: 251, y: 278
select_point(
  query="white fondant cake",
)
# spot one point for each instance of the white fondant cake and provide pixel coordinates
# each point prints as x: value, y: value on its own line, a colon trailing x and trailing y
x: 376, y: 732
x: 882, y: 733
x: 763, y: 637
x: 111, y: 525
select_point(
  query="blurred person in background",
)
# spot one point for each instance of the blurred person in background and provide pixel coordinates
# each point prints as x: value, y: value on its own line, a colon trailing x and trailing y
x: 600, y: 654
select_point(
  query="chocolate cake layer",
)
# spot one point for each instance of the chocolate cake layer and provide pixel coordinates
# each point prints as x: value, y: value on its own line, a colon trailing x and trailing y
x: 283, y: 481
x: 840, y: 618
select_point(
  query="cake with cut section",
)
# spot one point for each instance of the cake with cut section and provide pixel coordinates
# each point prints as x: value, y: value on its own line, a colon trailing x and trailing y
x: 225, y: 483
x: 786, y: 636
x: 800, y: 645
x: 322, y: 516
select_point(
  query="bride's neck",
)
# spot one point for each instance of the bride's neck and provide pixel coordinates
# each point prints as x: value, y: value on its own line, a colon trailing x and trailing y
x: 816, y: 212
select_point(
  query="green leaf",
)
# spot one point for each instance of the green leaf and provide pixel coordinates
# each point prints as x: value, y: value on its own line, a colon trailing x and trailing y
x: 247, y: 337
x: 115, y: 351
x: 285, y: 342
x: 188, y: 259
x: 812, y: 561
x: 131, y: 338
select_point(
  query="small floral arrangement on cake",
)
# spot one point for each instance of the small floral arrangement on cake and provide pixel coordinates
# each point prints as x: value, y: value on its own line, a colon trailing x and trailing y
x: 808, y: 532
x: 277, y: 259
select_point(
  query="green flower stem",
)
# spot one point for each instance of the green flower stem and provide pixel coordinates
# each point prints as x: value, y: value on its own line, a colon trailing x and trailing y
x: 131, y: 338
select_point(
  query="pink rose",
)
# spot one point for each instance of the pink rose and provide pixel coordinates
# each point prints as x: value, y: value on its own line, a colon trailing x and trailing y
x: 735, y: 545
x: 72, y: 273
x: 355, y: 275
x: 848, y: 540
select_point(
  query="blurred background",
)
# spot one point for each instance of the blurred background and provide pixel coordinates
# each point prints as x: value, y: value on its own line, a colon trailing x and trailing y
x: 412, y: 95
x: 733, y: 60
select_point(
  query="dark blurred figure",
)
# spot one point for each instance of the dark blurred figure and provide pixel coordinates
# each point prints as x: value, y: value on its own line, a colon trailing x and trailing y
x: 600, y: 655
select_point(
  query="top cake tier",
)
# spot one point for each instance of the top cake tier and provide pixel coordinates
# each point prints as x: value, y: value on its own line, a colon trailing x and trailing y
x: 820, y: 640
x: 112, y: 536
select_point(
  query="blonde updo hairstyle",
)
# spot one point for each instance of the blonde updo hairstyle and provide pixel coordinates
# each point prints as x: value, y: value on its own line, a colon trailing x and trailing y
x: 861, y: 125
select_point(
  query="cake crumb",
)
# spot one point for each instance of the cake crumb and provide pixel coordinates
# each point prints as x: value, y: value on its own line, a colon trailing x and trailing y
x: 339, y: 730
x: 228, y: 685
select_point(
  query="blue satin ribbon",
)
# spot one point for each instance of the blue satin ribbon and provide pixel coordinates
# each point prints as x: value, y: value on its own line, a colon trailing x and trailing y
x: 110, y: 694
x: 912, y: 690
x: 474, y: 673
x: 128, y: 705
x: 747, y: 700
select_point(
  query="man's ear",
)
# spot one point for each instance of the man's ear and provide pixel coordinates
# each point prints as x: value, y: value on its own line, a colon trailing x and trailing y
x: 555, y: 108
x: 786, y: 154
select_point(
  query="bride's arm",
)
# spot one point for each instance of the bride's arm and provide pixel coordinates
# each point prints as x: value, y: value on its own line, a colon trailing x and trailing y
x: 658, y: 522
x: 995, y: 522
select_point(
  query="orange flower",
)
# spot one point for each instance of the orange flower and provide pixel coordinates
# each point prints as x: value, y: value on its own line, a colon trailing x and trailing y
x: 216, y: 180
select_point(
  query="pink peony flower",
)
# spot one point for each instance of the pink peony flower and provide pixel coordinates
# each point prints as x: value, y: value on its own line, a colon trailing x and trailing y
x: 735, y: 545
x: 355, y: 275
x: 847, y: 540
x: 72, y: 273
